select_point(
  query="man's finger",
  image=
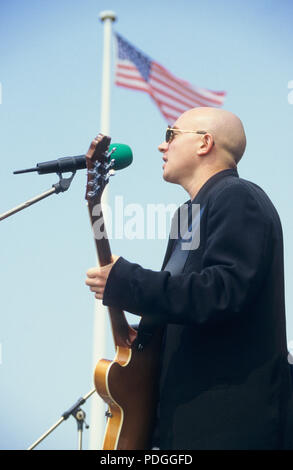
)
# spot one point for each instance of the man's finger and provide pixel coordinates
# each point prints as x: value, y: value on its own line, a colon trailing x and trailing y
x: 97, y: 290
x: 93, y: 272
x: 95, y: 282
x: 91, y: 281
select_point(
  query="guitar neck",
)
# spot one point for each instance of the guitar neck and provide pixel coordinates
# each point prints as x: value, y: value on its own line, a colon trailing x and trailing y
x: 120, y: 328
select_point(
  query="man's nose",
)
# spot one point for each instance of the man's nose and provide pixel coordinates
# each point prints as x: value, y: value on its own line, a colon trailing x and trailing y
x: 163, y: 147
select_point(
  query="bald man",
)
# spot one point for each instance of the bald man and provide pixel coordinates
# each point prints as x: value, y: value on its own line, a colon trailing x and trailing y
x: 225, y: 380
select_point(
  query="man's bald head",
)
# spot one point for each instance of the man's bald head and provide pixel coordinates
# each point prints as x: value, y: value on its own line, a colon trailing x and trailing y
x: 225, y: 127
x: 192, y: 157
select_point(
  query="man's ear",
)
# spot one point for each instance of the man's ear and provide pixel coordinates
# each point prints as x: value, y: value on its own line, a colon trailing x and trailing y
x: 206, y: 145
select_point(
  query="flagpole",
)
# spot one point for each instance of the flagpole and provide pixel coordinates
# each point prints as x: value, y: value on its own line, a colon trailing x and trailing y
x: 97, y: 420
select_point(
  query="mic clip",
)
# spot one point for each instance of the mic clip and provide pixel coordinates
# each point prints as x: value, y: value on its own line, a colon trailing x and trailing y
x: 63, y: 183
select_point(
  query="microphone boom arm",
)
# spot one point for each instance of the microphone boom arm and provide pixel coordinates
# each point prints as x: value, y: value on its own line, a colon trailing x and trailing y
x: 62, y: 186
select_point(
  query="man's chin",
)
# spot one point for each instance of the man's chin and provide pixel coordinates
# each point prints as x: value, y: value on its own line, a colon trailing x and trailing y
x: 167, y: 177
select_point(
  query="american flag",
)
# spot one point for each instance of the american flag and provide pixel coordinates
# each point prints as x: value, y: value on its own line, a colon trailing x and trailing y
x: 172, y: 95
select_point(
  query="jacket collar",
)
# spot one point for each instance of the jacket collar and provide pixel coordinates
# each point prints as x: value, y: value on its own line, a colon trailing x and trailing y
x: 211, y: 182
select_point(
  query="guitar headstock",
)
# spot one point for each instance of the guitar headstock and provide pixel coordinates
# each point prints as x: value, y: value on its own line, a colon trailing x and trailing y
x: 99, y: 164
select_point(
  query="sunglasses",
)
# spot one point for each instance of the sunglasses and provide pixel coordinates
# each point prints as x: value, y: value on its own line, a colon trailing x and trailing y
x: 170, y: 133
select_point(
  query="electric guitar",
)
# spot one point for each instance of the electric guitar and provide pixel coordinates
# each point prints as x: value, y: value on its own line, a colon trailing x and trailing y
x: 129, y: 383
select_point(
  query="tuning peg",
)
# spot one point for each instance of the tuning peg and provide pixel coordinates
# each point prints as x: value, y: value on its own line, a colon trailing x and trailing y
x: 112, y: 151
x: 105, y: 178
x: 92, y: 194
x: 92, y: 172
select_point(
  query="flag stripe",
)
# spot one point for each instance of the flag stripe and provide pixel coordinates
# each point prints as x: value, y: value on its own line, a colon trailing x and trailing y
x: 189, y: 102
x: 135, y: 80
x: 174, y: 98
x: 182, y: 85
x: 177, y: 99
x: 195, y: 97
x: 187, y: 84
x: 131, y: 87
x: 188, y: 99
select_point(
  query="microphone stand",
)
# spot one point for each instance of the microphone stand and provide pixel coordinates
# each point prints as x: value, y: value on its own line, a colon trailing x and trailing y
x: 77, y: 413
x: 61, y: 186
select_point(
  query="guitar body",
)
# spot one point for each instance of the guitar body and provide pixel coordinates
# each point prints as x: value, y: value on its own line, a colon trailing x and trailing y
x: 129, y: 383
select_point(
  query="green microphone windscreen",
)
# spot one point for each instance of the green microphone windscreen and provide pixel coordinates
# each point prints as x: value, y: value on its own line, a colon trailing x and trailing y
x: 123, y: 155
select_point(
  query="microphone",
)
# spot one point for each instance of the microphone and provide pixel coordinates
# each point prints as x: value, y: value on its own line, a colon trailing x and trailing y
x: 122, y: 156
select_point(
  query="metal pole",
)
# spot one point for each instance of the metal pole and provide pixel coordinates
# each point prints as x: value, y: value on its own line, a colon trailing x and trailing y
x: 107, y: 17
x: 28, y: 203
x: 97, y: 418
x: 46, y: 434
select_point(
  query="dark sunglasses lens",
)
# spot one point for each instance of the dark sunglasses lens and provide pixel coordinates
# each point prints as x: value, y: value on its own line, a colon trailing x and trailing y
x: 168, y: 135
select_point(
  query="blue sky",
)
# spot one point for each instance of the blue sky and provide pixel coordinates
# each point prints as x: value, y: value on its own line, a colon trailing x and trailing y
x: 51, y: 60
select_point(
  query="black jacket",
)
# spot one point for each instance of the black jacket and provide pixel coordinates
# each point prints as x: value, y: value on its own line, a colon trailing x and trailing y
x: 225, y: 378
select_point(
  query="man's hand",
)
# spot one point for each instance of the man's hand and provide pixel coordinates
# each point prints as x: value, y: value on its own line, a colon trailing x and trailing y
x: 97, y: 278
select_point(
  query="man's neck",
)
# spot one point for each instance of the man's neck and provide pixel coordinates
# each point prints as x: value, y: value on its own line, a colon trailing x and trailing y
x: 195, y: 184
